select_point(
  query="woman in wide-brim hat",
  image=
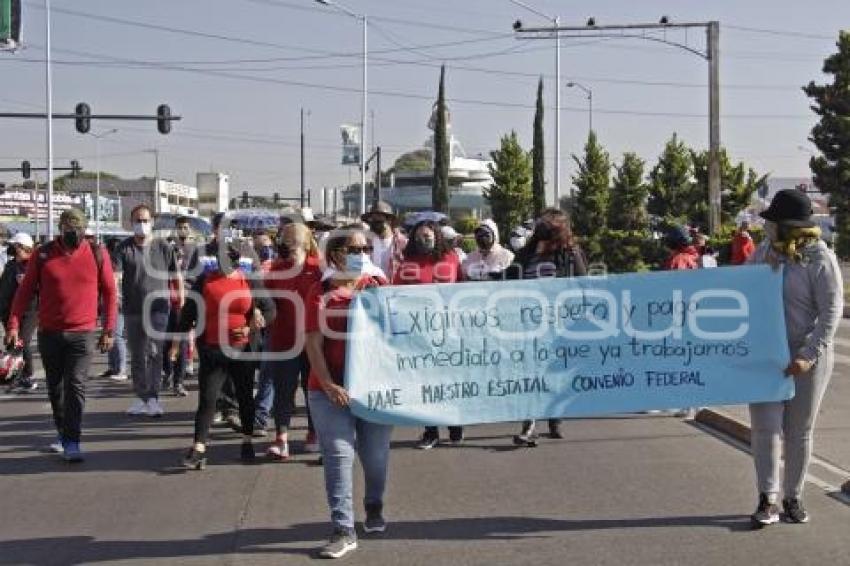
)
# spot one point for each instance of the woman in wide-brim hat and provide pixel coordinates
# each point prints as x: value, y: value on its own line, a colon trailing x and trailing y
x: 813, y: 301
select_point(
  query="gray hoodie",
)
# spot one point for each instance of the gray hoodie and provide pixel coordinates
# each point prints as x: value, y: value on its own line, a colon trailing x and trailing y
x: 813, y: 293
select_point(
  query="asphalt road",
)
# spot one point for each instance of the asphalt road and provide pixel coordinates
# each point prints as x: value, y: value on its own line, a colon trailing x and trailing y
x: 643, y: 490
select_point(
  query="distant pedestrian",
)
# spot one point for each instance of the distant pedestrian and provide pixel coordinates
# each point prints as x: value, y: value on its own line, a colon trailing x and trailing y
x: 490, y: 260
x: 683, y: 254
x: 742, y: 245
x: 813, y: 296
x: 185, y: 254
x: 116, y: 359
x: 20, y: 252
x: 387, y: 241
x: 69, y: 274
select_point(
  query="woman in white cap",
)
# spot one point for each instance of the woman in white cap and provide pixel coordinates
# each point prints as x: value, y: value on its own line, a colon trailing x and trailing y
x: 813, y: 304
x: 19, y: 253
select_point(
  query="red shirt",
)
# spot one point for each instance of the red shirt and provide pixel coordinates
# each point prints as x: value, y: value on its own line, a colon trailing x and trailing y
x: 327, y: 312
x: 423, y: 269
x: 742, y: 248
x: 227, y: 302
x: 683, y: 258
x: 68, y: 288
x: 289, y: 322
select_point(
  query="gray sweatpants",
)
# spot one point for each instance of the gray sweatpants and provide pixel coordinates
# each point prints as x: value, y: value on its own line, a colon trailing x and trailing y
x: 146, y: 354
x: 789, y: 425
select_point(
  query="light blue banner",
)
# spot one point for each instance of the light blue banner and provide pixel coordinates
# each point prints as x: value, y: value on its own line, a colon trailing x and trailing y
x: 513, y: 350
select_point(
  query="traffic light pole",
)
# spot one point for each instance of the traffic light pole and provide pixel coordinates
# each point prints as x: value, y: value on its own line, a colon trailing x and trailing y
x: 49, y: 119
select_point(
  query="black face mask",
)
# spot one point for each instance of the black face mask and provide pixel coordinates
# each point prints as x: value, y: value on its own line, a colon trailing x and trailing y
x: 543, y: 232
x: 484, y: 240
x: 10, y: 251
x: 71, y: 238
x: 378, y: 226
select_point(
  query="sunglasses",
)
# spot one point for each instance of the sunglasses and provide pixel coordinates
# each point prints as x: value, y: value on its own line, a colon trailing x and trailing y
x: 359, y: 249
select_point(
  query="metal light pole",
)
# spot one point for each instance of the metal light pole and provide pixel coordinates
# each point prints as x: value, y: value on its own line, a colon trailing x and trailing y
x: 97, y: 138
x: 711, y: 54
x: 156, y: 198
x: 556, y: 22
x: 364, y: 111
x: 589, y: 93
x: 49, y: 95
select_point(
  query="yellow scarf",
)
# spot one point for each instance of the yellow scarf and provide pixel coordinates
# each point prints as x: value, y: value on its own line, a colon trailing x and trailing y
x: 795, y: 241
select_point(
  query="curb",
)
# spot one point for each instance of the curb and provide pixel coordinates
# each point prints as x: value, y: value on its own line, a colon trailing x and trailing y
x: 725, y: 423
x: 739, y: 430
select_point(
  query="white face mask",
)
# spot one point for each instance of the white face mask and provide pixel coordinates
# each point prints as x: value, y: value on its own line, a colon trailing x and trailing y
x: 142, y: 229
x: 517, y: 242
x: 771, y: 230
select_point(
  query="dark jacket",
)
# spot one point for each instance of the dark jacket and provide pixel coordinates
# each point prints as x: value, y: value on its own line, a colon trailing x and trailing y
x: 569, y: 262
x: 13, y: 273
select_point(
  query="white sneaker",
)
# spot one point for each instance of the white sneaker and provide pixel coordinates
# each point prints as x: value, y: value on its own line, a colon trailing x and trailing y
x: 155, y: 408
x: 120, y: 377
x: 138, y: 407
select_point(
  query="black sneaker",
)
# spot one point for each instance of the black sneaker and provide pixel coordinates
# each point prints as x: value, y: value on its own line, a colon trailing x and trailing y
x: 555, y: 431
x: 456, y: 436
x: 766, y: 514
x: 195, y: 460
x: 428, y: 441
x: 794, y: 512
x: 246, y: 453
x: 340, y: 544
x: 374, y: 522
x: 180, y: 391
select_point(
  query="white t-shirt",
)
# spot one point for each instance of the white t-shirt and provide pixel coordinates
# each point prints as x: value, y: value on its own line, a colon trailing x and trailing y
x: 382, y: 251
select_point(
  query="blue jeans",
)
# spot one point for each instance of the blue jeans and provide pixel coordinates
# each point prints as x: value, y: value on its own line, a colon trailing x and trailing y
x: 264, y: 398
x: 341, y: 434
x: 117, y: 359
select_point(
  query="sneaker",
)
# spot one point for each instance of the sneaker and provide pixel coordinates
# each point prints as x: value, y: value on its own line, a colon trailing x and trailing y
x: 555, y: 431
x: 180, y: 391
x: 794, y: 512
x: 218, y: 418
x: 119, y: 377
x: 340, y: 544
x: 456, y: 437
x: 108, y: 373
x: 73, y: 454
x: 195, y: 460
x: 526, y: 437
x: 155, y: 408
x: 259, y: 431
x: 428, y: 441
x: 233, y: 422
x: 374, y: 522
x: 311, y: 444
x: 766, y: 514
x: 278, y: 451
x: 57, y: 446
x: 26, y: 387
x: 246, y: 452
x: 138, y: 408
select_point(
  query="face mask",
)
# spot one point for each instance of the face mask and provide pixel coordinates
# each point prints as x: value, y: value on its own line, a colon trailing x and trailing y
x: 484, y: 240
x: 356, y: 263
x: 142, y: 229
x: 427, y: 242
x: 378, y: 226
x: 11, y: 251
x: 266, y: 253
x: 71, y: 238
x: 229, y: 234
x: 771, y: 230
x: 518, y: 242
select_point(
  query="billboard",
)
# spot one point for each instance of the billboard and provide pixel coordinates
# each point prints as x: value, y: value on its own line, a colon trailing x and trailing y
x: 10, y: 24
x: 350, y: 144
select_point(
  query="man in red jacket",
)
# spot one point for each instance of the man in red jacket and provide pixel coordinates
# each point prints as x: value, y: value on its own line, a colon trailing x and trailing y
x: 69, y: 279
x: 742, y: 245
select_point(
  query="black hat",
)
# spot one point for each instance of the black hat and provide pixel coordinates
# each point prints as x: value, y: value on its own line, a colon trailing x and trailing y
x: 790, y: 207
x: 379, y: 208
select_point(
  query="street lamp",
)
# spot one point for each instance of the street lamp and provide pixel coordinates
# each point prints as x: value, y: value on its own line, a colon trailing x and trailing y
x: 363, y: 132
x: 97, y: 138
x: 589, y: 94
x: 156, y: 198
x: 556, y: 21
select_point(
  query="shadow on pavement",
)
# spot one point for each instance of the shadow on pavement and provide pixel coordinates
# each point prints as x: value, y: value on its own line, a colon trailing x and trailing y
x: 86, y: 550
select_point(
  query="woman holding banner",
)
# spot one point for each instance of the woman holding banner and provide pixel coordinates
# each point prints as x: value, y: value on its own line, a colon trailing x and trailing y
x: 341, y: 434
x: 429, y: 258
x: 813, y: 301
x: 551, y: 251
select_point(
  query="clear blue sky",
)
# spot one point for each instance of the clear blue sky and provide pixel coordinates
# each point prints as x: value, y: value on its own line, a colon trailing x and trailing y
x: 240, y: 92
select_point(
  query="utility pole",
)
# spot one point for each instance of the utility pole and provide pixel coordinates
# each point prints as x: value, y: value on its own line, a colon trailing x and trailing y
x: 302, y: 157
x: 49, y: 95
x: 711, y: 54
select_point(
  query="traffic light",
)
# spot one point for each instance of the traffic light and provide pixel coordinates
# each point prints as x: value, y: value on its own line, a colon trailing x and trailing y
x: 75, y: 168
x: 276, y: 198
x: 163, y: 119
x: 26, y: 169
x: 83, y: 119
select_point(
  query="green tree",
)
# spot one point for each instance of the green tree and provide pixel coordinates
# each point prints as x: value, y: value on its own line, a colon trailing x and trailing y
x: 440, y: 185
x: 831, y: 135
x: 538, y: 181
x: 417, y: 161
x: 510, y: 196
x: 590, y: 210
x: 671, y: 183
x: 738, y: 183
x: 629, y: 193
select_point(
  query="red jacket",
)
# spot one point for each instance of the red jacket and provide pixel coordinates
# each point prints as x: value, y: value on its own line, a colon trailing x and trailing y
x: 423, y: 269
x: 67, y: 285
x: 742, y: 248
x: 683, y: 258
x: 294, y: 285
